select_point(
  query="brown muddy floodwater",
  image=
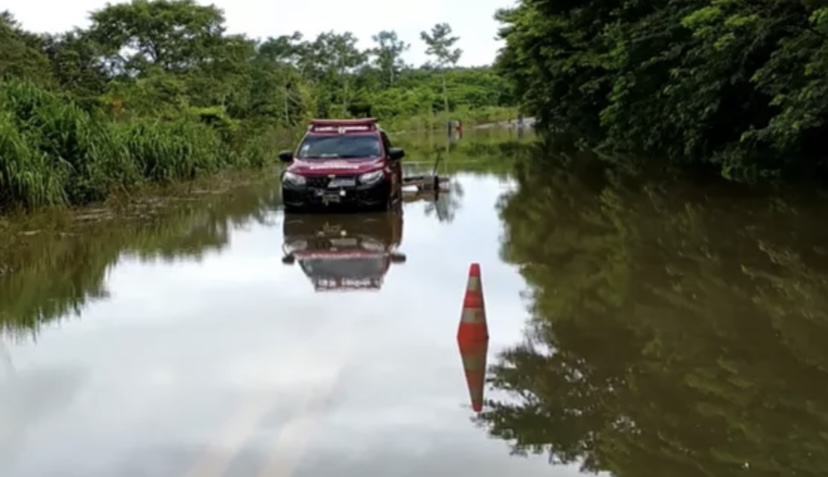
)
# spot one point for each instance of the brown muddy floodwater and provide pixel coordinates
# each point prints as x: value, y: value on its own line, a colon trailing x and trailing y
x: 636, y: 330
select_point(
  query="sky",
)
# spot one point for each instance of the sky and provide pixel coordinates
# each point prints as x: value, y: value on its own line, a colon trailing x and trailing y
x: 471, y: 20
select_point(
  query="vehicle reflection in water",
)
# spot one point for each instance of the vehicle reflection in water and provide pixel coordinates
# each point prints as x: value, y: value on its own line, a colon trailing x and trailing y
x: 343, y: 251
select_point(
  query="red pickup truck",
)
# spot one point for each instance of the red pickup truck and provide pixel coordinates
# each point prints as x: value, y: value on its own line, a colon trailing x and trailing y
x: 342, y: 162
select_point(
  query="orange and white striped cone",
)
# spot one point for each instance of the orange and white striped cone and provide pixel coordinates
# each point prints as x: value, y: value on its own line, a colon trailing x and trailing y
x: 473, y: 325
x: 473, y: 355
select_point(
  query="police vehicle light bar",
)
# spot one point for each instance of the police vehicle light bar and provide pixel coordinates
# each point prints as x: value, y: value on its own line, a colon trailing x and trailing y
x: 342, y: 125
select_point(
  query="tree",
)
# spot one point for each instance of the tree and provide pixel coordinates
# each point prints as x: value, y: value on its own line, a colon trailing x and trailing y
x: 439, y: 45
x: 21, y: 53
x: 181, y: 45
x: 338, y: 58
x: 388, y: 55
x: 75, y: 63
x: 167, y: 34
x: 283, y: 49
x: 739, y: 87
x: 277, y: 80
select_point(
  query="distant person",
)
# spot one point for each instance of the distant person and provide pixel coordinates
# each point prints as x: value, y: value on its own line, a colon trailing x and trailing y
x: 520, y: 119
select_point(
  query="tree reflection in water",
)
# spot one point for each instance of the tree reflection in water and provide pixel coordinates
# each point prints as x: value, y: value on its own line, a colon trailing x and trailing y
x: 53, y: 274
x: 674, y: 330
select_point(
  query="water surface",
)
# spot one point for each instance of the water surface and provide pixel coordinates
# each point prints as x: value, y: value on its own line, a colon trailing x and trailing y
x: 638, y: 328
x: 188, y: 344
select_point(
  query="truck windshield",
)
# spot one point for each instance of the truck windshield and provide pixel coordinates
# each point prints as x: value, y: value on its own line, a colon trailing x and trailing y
x: 341, y: 146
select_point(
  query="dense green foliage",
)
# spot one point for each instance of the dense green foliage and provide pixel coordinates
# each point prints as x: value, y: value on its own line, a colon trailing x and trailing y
x: 53, y: 152
x: 675, y: 330
x: 740, y: 86
x: 159, y: 91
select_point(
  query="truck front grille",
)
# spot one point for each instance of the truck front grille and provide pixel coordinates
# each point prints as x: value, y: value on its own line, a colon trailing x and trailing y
x: 321, y: 182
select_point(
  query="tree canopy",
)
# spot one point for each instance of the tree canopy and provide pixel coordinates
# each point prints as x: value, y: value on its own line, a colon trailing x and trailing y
x: 737, y: 85
x: 177, y: 53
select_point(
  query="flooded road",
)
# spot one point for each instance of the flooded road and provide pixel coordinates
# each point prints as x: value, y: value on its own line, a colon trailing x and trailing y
x: 190, y: 345
x: 636, y: 330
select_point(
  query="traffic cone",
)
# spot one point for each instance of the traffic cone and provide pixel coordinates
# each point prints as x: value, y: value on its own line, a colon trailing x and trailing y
x: 473, y: 326
x: 473, y: 355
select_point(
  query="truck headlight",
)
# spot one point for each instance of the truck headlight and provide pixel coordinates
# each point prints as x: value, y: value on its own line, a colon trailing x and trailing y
x: 294, y: 179
x: 370, y: 177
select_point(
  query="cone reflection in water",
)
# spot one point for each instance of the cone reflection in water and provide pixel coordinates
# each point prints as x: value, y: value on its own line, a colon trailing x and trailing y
x: 473, y: 337
x: 474, y: 366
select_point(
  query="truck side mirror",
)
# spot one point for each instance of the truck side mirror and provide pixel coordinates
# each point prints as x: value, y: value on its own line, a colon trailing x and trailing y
x: 396, y: 153
x: 286, y: 156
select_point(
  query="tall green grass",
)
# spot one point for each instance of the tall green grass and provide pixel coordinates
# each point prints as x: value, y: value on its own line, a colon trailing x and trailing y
x: 54, y: 153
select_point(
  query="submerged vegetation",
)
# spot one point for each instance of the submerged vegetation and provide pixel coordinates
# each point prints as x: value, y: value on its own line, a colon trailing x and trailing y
x: 737, y: 86
x: 158, y: 91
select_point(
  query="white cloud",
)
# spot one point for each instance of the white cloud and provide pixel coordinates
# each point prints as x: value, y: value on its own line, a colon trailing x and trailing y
x: 472, y: 21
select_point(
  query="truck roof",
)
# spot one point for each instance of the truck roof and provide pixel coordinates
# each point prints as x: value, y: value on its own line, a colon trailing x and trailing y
x: 343, y: 126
